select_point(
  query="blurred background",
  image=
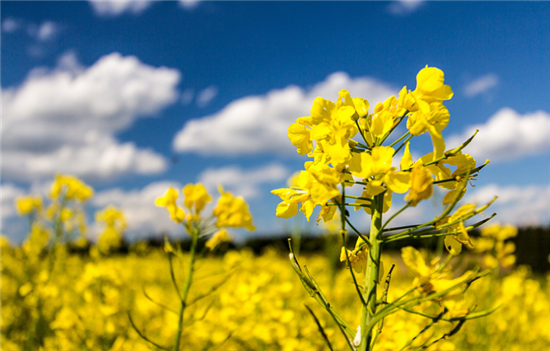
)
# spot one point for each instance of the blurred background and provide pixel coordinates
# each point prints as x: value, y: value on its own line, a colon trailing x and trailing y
x: 134, y: 96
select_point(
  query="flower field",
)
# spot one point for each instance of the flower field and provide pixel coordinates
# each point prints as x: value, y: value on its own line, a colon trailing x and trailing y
x: 238, y: 302
x: 62, y: 292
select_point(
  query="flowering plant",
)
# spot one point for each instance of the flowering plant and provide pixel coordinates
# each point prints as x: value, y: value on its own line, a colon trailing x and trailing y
x: 339, y: 162
x: 230, y: 211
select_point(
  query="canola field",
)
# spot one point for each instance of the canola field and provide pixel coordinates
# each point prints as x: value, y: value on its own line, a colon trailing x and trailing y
x: 238, y: 301
x: 60, y: 291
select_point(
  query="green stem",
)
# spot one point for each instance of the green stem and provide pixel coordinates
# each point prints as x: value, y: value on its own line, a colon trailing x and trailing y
x: 186, y: 287
x: 343, y: 232
x: 359, y: 197
x: 372, y: 272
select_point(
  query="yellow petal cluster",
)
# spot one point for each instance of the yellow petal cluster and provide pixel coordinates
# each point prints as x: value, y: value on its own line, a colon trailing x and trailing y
x: 168, y: 201
x: 421, y: 185
x: 28, y: 204
x: 233, y: 212
x: 219, y: 237
x: 71, y: 188
x: 115, y: 224
x: 195, y: 195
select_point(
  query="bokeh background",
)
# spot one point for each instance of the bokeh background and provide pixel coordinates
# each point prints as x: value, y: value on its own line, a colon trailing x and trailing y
x: 133, y: 96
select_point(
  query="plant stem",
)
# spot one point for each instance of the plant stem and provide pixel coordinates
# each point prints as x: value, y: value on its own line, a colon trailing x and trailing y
x: 186, y: 287
x: 372, y: 272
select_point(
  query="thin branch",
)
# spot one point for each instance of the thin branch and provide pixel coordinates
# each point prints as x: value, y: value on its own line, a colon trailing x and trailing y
x: 321, y: 330
x: 157, y: 303
x: 172, y: 275
x: 143, y: 336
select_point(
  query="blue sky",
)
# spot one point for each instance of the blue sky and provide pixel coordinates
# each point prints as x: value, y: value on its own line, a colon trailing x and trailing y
x: 133, y: 96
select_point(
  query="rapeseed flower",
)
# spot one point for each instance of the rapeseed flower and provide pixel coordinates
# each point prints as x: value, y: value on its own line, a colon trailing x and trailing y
x: 232, y: 212
x: 168, y: 201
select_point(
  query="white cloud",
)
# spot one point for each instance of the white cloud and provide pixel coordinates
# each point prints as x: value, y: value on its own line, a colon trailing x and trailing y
x: 205, y: 96
x: 118, y: 7
x: 519, y: 205
x: 242, y: 182
x: 189, y: 4
x: 9, y: 193
x: 507, y: 135
x: 10, y: 25
x: 138, y: 205
x: 404, y: 7
x: 66, y: 119
x: 257, y: 124
x: 481, y: 85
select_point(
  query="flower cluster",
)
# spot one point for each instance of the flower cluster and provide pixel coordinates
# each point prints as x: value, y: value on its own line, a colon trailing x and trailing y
x: 339, y: 160
x: 230, y: 211
x: 353, y: 147
x: 115, y: 224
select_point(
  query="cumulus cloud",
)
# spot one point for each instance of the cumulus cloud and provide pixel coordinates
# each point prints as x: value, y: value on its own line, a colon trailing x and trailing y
x: 507, y: 135
x: 519, y: 205
x: 404, y: 7
x: 258, y: 124
x: 118, y: 7
x: 242, y: 182
x: 66, y: 119
x: 481, y: 85
x: 205, y: 96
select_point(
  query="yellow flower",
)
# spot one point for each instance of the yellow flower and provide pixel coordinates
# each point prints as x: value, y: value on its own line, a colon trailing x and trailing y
x: 357, y: 257
x: 112, y: 216
x: 71, y: 187
x: 37, y: 240
x: 299, y: 136
x: 286, y: 210
x: 197, y: 195
x: 217, y: 238
x: 384, y: 116
x: 406, y: 159
x: 168, y: 201
x: 28, y: 204
x: 460, y: 236
x: 421, y: 185
x: 430, y: 87
x: 427, y: 278
x: 331, y: 126
x: 233, y: 212
x: 109, y: 240
x: 499, y: 232
x: 364, y: 165
x: 324, y: 186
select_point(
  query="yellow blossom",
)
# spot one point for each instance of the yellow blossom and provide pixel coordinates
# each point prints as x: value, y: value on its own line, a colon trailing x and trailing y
x: 28, y: 204
x: 195, y: 195
x: 233, y: 212
x: 421, y: 185
x: 217, y: 238
x: 430, y: 86
x: 299, y: 136
x: 168, y: 201
x: 71, y: 187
